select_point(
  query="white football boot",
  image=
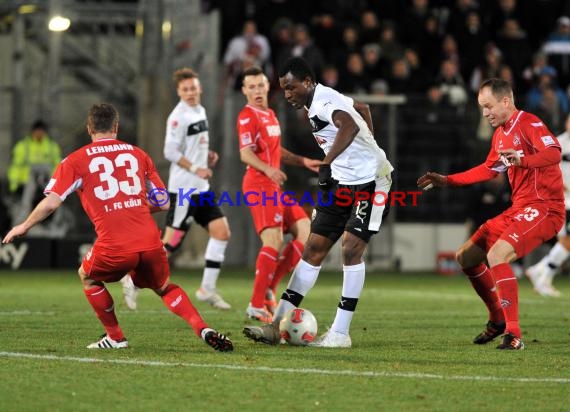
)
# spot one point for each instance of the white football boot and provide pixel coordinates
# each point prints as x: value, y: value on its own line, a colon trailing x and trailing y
x: 130, y: 292
x: 332, y: 339
x: 107, y: 343
x: 213, y: 298
x: 540, y: 281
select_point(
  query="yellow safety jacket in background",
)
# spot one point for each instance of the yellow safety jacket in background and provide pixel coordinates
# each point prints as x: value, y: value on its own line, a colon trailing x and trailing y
x: 29, y: 152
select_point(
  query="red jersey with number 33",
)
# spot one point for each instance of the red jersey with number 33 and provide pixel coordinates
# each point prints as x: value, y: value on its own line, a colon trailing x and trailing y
x: 259, y: 129
x: 112, y: 179
x: 527, y: 134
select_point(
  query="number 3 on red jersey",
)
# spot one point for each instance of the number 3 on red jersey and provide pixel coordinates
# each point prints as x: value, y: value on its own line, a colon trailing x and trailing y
x: 106, y: 176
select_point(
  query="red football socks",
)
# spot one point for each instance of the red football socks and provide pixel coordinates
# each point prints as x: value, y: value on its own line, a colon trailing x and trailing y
x: 483, y: 282
x: 265, y: 268
x: 177, y: 301
x: 509, y: 293
x: 102, y: 303
x: 287, y: 261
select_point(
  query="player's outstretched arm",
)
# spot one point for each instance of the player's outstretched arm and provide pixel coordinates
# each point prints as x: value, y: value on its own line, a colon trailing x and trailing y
x: 248, y: 157
x: 430, y: 180
x: 312, y: 164
x: 45, y: 208
x: 292, y: 159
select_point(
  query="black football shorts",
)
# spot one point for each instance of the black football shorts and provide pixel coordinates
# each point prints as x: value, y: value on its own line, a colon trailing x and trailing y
x: 199, y: 208
x: 344, y: 210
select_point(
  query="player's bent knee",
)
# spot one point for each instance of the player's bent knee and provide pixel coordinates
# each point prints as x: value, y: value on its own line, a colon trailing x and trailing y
x: 459, y: 257
x: 219, y: 229
x: 83, y: 276
x: 352, y: 250
x: 221, y: 234
x: 352, y: 256
x: 303, y: 230
x: 465, y: 259
x: 313, y: 255
x: 225, y: 236
x: 469, y: 255
x: 165, y: 288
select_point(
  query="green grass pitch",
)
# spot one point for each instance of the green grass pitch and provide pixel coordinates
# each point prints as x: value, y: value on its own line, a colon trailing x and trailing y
x: 411, y: 350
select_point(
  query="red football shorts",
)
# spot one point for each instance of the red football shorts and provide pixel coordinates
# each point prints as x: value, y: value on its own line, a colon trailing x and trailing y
x: 524, y: 228
x: 270, y: 215
x: 149, y: 268
x: 270, y: 207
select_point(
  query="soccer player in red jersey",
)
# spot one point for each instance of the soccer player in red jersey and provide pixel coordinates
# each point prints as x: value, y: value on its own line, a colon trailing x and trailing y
x: 524, y: 148
x: 113, y: 180
x: 261, y: 150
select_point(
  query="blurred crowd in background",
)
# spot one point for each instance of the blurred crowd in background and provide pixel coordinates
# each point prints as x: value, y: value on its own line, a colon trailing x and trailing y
x: 440, y: 49
x: 434, y: 52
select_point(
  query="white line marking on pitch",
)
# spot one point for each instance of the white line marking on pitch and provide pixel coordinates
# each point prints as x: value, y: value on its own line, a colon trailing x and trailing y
x: 27, y: 313
x: 121, y: 312
x: 368, y: 374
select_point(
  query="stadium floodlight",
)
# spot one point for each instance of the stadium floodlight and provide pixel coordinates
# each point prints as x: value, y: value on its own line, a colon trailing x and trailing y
x: 27, y: 8
x: 166, y: 29
x: 59, y: 23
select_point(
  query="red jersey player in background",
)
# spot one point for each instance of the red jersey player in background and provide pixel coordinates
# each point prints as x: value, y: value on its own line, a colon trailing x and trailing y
x: 261, y: 150
x: 112, y: 179
x: 523, y: 147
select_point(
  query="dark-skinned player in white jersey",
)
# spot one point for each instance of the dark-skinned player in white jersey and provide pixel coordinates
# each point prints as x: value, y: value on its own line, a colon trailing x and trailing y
x: 353, y: 163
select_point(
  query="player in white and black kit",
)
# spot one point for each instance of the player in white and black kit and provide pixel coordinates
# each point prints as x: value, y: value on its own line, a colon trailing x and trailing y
x: 542, y: 273
x: 354, y: 161
x: 187, y: 148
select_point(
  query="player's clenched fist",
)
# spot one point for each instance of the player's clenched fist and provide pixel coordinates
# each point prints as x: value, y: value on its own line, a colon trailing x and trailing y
x: 431, y: 179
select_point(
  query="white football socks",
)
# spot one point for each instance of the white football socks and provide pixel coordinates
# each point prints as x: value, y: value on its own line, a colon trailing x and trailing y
x: 302, y: 280
x: 352, y: 285
x: 555, y: 258
x: 215, y: 252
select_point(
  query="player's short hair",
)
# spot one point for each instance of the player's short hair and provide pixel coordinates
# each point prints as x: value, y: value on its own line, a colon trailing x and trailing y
x: 102, y: 117
x: 298, y: 67
x: 183, y: 74
x: 499, y: 87
x: 252, y: 71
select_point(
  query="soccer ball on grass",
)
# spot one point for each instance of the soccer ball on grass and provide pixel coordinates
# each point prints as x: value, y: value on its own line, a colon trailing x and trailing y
x: 298, y: 327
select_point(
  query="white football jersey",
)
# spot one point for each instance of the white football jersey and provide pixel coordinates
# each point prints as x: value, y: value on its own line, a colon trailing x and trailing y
x: 564, y: 140
x: 187, y: 135
x: 363, y: 160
